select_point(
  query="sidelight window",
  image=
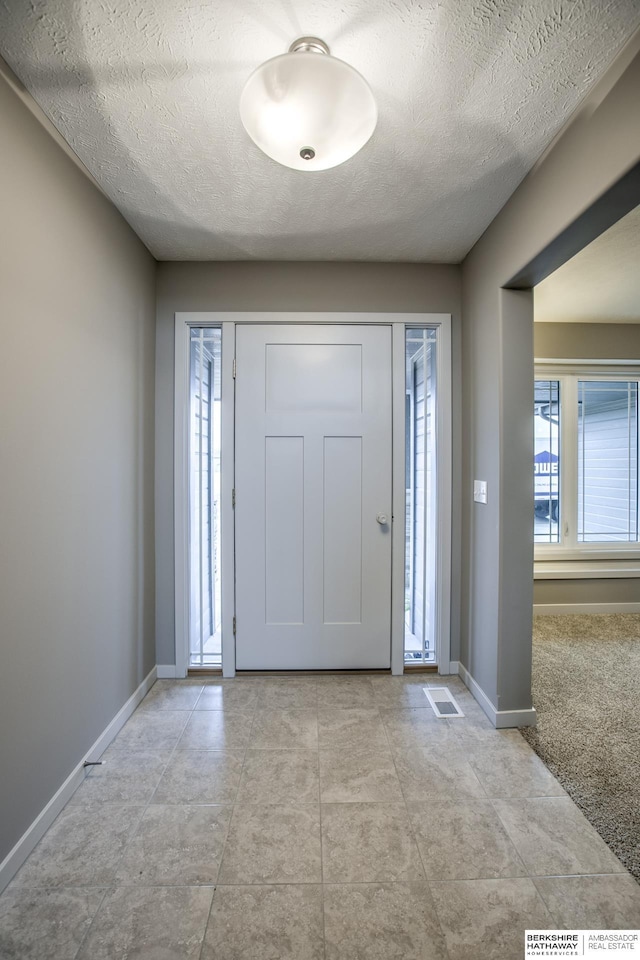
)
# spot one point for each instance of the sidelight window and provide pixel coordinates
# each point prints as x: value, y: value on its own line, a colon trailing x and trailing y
x: 204, y: 497
x: 420, y: 474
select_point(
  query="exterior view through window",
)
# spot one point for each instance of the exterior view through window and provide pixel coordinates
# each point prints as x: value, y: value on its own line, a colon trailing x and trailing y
x: 546, y: 461
x: 204, y: 498
x: 607, y: 461
x: 420, y: 532
x: 586, y: 461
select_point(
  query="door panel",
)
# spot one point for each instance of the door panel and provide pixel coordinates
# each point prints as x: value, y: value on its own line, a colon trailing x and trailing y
x: 342, y: 534
x: 284, y: 526
x: 313, y: 470
x: 327, y: 379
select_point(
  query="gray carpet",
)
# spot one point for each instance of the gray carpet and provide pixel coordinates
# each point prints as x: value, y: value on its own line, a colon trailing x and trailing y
x: 586, y: 690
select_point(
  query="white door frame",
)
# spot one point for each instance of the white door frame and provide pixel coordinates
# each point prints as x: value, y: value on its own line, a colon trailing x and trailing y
x: 227, y: 322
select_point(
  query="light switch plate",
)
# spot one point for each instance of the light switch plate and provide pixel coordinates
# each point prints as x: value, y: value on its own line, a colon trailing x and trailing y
x: 480, y: 491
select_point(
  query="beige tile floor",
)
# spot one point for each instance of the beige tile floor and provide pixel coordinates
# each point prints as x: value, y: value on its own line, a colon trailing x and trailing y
x: 311, y: 819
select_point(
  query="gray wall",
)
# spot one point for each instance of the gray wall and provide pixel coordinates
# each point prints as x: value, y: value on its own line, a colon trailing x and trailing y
x: 624, y: 590
x: 587, y: 341
x: 76, y: 449
x: 379, y: 288
x: 497, y: 335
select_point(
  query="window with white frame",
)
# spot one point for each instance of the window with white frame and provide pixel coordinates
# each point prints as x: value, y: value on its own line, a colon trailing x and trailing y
x: 585, y: 460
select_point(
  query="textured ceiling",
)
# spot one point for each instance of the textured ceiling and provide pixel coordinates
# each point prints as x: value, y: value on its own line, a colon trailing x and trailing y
x: 601, y: 284
x: 469, y: 92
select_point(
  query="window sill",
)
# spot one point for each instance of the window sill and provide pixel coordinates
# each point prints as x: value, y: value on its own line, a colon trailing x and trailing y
x: 585, y: 569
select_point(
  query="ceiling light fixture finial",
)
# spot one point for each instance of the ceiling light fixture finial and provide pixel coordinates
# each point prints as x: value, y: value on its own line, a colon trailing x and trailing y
x: 308, y: 112
x: 309, y: 45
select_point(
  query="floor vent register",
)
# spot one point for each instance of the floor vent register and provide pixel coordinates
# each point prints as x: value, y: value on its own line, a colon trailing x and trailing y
x: 443, y: 702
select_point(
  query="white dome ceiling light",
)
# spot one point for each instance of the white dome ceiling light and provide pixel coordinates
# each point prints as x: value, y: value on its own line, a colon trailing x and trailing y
x: 306, y: 109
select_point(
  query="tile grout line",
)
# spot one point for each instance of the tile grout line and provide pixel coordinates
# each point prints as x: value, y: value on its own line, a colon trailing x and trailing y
x: 315, y: 883
x: 530, y: 875
x: 540, y: 894
x: 114, y: 885
x: 155, y: 789
x: 322, y: 883
x: 93, y: 918
x: 233, y: 808
x: 235, y: 801
x: 415, y: 842
x: 228, y: 827
x: 209, y: 913
x: 406, y: 804
x: 417, y: 846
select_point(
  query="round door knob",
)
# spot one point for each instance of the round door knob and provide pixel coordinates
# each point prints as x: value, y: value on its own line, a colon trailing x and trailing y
x: 382, y: 519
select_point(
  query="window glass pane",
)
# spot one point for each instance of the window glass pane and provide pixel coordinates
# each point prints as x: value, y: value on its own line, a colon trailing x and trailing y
x: 607, y: 461
x: 546, y: 461
x: 420, y: 533
x: 204, y: 497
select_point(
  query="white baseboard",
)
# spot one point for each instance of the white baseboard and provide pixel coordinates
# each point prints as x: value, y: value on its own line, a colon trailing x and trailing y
x: 516, y: 718
x: 16, y: 857
x: 448, y: 669
x: 501, y: 719
x: 166, y: 671
x: 559, y: 609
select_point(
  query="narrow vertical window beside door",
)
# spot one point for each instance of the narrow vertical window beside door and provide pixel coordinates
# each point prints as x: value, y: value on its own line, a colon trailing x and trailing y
x: 421, y: 493
x: 204, y: 497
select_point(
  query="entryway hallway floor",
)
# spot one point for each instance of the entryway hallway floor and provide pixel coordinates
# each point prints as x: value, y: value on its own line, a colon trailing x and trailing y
x: 329, y: 818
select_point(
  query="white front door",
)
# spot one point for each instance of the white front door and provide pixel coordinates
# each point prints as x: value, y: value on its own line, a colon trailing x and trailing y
x: 313, y: 497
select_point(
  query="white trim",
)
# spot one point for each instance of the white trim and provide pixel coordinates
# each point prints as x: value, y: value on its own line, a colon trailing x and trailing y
x: 444, y: 480
x: 566, y: 365
x: 623, y: 552
x: 228, y: 321
x: 398, y: 428
x: 561, y: 609
x: 568, y: 373
x: 501, y: 719
x: 504, y: 719
x: 477, y: 692
x: 216, y: 319
x: 183, y: 323
x: 443, y: 489
x: 167, y: 671
x: 227, y: 517
x: 181, y: 496
x: 585, y: 569
x: 454, y: 668
x: 16, y: 857
x: 569, y: 468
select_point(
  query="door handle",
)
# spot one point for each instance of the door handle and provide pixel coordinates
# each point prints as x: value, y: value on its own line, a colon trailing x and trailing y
x: 382, y: 519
